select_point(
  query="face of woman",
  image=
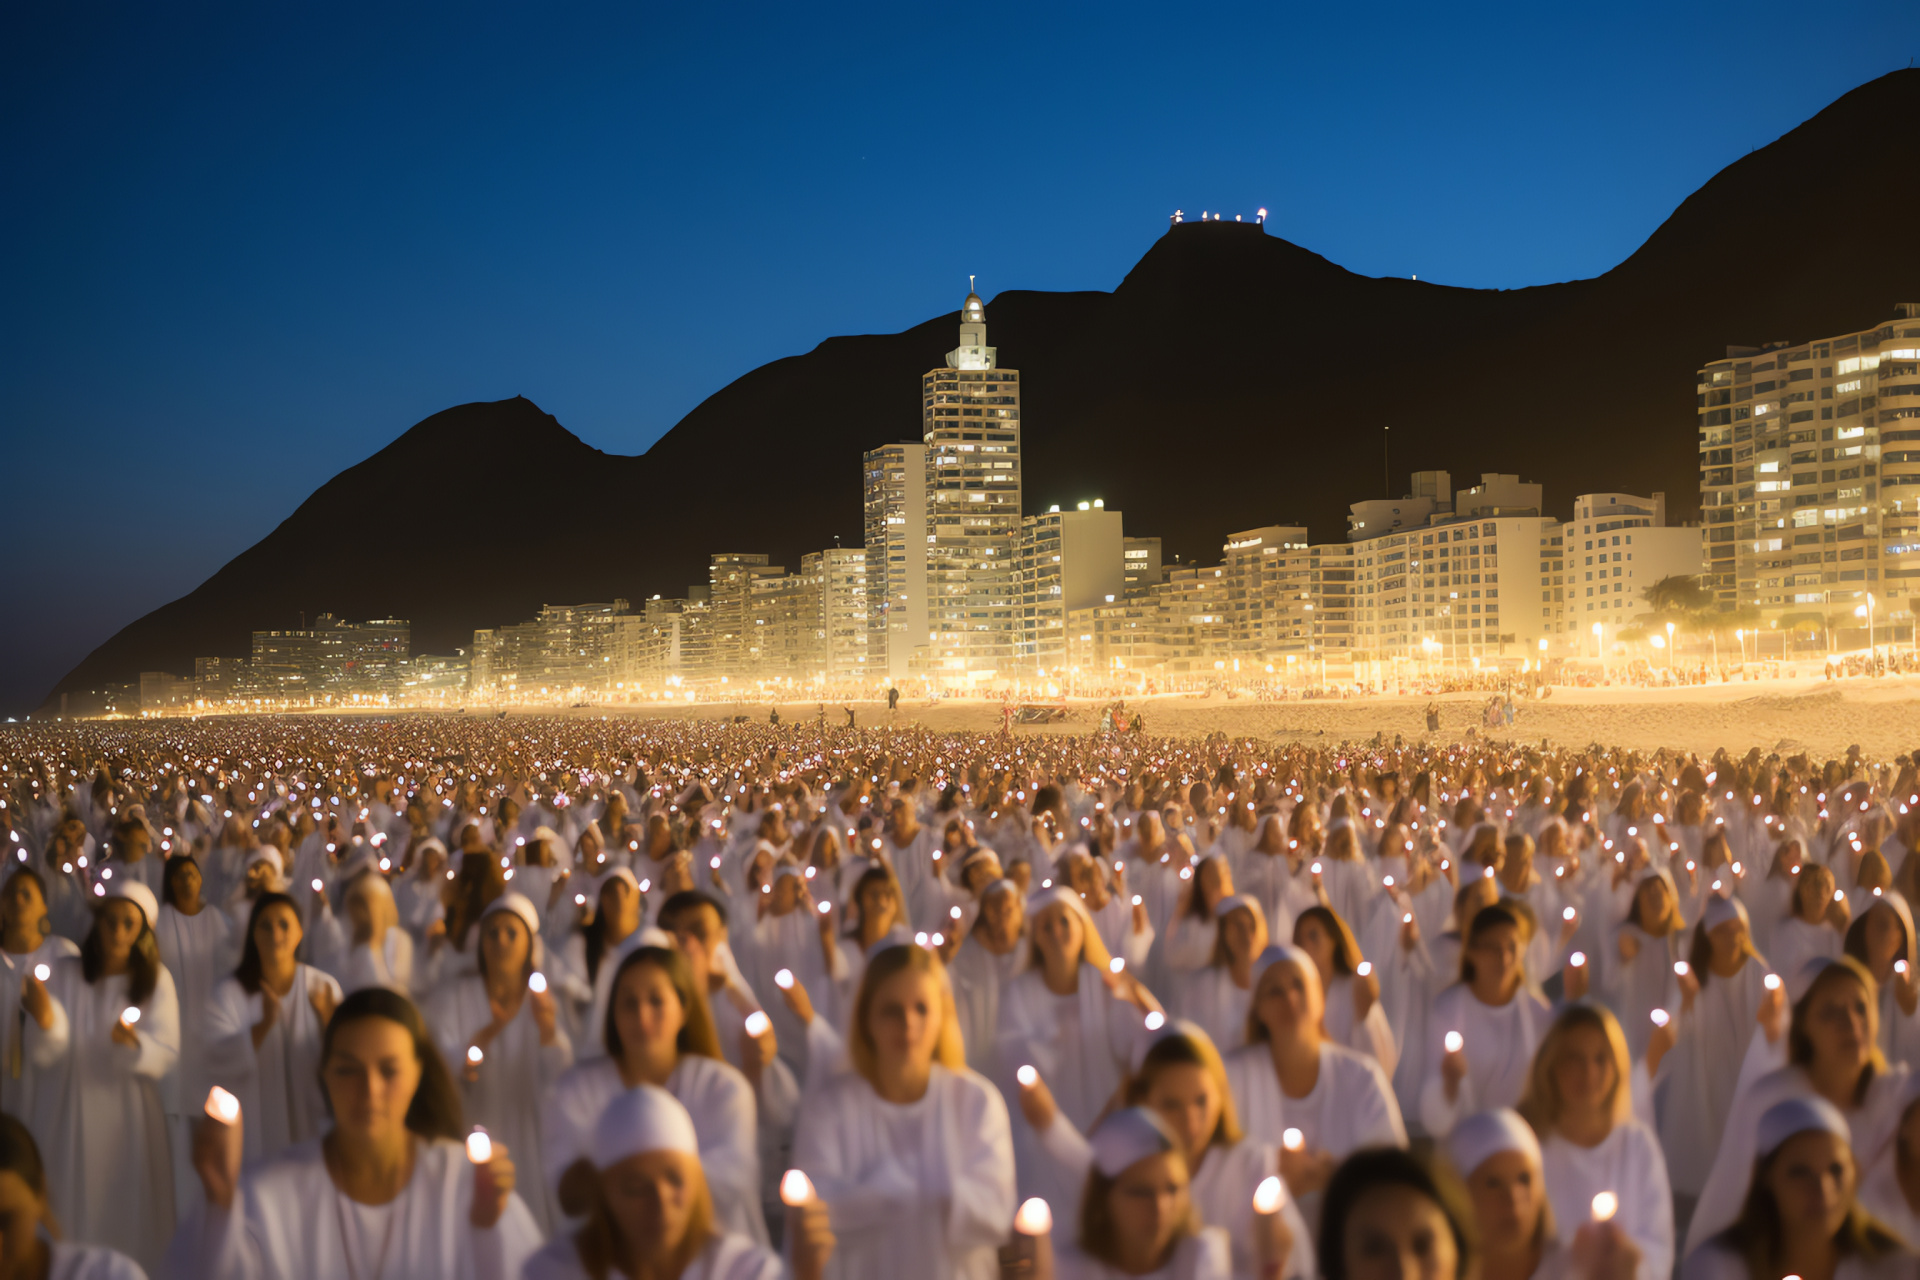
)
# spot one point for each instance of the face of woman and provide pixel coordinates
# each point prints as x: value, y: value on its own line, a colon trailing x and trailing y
x: 1245, y: 934
x: 277, y: 934
x: 1728, y: 939
x: 1312, y: 937
x: 1188, y: 1100
x: 904, y: 1020
x: 21, y: 1213
x: 786, y: 895
x: 22, y: 907
x: 1812, y: 1180
x: 259, y: 879
x: 1216, y: 881
x: 879, y: 905
x: 646, y: 1009
x: 1496, y: 957
x: 1508, y: 1194
x: 1652, y: 901
x: 1057, y: 932
x: 1396, y: 1233
x: 1886, y: 939
x: 118, y: 925
x: 650, y: 1198
x: 1814, y: 893
x: 1839, y: 1022
x: 505, y: 943
x: 1287, y: 1003
x: 1000, y: 915
x: 1584, y: 1075
x: 1148, y: 1205
x: 185, y: 880
x: 371, y: 1076
x: 619, y: 907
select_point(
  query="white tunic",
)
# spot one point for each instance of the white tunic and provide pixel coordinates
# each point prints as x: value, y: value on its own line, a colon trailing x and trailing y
x: 87, y: 1262
x: 923, y: 1189
x: 198, y: 950
x: 1081, y: 1043
x: 102, y: 1126
x: 289, y: 1222
x: 278, y: 1084
x: 514, y: 1076
x: 1500, y: 1040
x: 1210, y: 997
x: 726, y: 1257
x: 716, y: 1096
x: 19, y: 1079
x: 978, y: 978
x: 1627, y: 1162
x: 1795, y: 942
x: 1715, y: 1262
x: 1372, y: 1035
x: 1702, y: 1072
x: 1204, y: 1256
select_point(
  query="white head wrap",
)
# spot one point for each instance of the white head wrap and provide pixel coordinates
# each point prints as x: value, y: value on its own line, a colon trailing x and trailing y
x: 268, y: 854
x: 1798, y: 1115
x: 1479, y: 1137
x: 1722, y: 909
x: 612, y: 874
x: 1060, y: 893
x: 137, y: 893
x: 1275, y: 954
x: 642, y: 1119
x: 1126, y: 1137
x: 1234, y: 901
x: 518, y: 904
x: 1798, y: 984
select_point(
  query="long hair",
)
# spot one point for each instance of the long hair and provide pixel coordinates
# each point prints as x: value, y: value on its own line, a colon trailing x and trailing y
x: 174, y: 864
x: 598, y: 1240
x: 948, y: 1050
x: 434, y: 1111
x: 1856, y: 941
x: 22, y: 869
x: 1672, y: 921
x: 478, y: 882
x: 20, y: 1155
x: 1186, y: 1051
x: 1541, y: 1104
x: 1371, y: 1168
x: 1800, y: 1044
x: 878, y: 874
x: 1098, y: 1238
x: 1755, y: 1234
x: 1486, y: 918
x: 143, y: 962
x: 248, y: 974
x: 697, y: 1035
x: 1346, y: 950
x: 1093, y: 948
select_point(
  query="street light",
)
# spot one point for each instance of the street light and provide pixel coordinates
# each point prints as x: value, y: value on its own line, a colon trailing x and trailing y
x: 1669, y: 646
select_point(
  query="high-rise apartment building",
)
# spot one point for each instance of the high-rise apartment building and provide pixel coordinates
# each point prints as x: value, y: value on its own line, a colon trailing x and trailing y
x: 1145, y: 569
x: 730, y: 579
x: 843, y: 610
x: 1616, y: 546
x: 1810, y: 471
x: 894, y: 490
x: 1267, y: 592
x: 1068, y: 560
x: 971, y: 425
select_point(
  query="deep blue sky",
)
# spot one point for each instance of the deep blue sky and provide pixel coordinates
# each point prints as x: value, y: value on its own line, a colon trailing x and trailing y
x: 245, y: 247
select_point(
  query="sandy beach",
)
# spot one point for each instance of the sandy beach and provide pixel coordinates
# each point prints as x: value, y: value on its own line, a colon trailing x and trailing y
x: 1807, y: 715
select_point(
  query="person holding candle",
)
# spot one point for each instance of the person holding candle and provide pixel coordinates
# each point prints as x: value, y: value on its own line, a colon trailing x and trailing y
x: 614, y: 928
x: 1801, y: 1214
x: 104, y: 1032
x: 263, y: 1030
x: 993, y: 955
x: 377, y: 952
x: 1636, y: 974
x: 1355, y: 1016
x: 30, y: 1244
x: 910, y: 1150
x: 1881, y: 938
x: 1815, y: 926
x: 389, y: 1190
x: 790, y: 934
x: 1216, y: 996
x: 503, y: 1038
x: 1137, y: 1217
x: 1483, y: 1030
x: 1579, y: 1102
x: 28, y: 943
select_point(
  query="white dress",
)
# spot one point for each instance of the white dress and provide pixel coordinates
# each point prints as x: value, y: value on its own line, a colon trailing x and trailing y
x: 726, y: 1257
x: 102, y: 1125
x: 19, y: 1088
x: 289, y: 1222
x: 920, y: 1189
x: 1627, y: 1162
x: 1209, y: 997
x: 1500, y: 1040
x: 1702, y: 1071
x: 1203, y: 1256
x: 1081, y: 1043
x: 278, y: 1084
x: 515, y: 1075
x: 88, y: 1262
x: 716, y: 1096
x: 198, y: 951
x: 791, y: 942
x: 978, y: 978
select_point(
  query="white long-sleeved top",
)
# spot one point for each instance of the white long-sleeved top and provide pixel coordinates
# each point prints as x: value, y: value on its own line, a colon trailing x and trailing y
x: 278, y: 1083
x: 1209, y: 997
x: 920, y: 1189
x: 290, y: 1222
x: 978, y: 978
x: 19, y: 1094
x: 88, y: 1262
x: 725, y: 1257
x: 1627, y: 1162
x: 1499, y: 1045
x: 1202, y: 1256
x: 1081, y: 1043
x: 1702, y: 1072
x: 198, y: 950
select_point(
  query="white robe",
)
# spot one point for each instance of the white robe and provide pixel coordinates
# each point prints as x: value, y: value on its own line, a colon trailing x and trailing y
x: 1209, y: 997
x: 725, y: 1257
x: 515, y: 1075
x: 199, y: 951
x: 792, y: 942
x: 1500, y: 1041
x: 1080, y: 1043
x: 1714, y: 1262
x: 19, y: 1079
x: 1795, y: 942
x: 289, y: 1222
x: 1633, y: 989
x: 1702, y: 1073
x: 278, y: 1084
x: 1372, y: 1035
x: 978, y: 978
x: 87, y: 1262
x: 1629, y: 1163
x: 102, y: 1127
x: 1205, y: 1256
x: 716, y: 1096
x: 1873, y: 1124
x: 921, y: 1189
x: 358, y: 966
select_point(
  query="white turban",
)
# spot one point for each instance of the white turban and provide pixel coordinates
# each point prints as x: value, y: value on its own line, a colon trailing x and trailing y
x: 1480, y: 1137
x: 642, y: 1119
x: 1794, y: 1116
x: 138, y: 894
x: 1126, y: 1137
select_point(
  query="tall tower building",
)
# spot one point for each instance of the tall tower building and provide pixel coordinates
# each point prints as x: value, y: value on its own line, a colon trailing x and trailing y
x: 894, y: 490
x: 971, y: 422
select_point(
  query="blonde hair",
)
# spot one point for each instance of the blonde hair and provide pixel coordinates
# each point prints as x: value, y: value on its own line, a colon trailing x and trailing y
x: 1093, y: 949
x: 948, y: 1049
x: 1800, y: 1044
x: 1098, y: 1235
x: 582, y: 1189
x: 1541, y: 1103
x: 1189, y: 1051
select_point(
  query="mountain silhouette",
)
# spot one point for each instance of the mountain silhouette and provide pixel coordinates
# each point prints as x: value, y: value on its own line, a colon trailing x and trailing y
x: 1233, y: 379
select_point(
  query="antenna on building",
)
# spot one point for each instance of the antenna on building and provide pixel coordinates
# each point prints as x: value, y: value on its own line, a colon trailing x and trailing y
x: 970, y: 288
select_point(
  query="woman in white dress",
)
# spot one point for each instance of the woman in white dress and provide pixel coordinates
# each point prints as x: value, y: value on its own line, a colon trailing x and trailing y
x: 1890, y: 1188
x: 31, y: 1248
x: 263, y: 1031
x: 1498, y: 1158
x: 658, y: 1031
x: 199, y: 947
x: 1579, y: 1101
x: 515, y: 1029
x: 1354, y: 1015
x: 1881, y: 938
x: 1292, y: 1076
x: 614, y: 929
x: 1483, y: 1030
x: 104, y: 1032
x: 993, y: 954
x: 1802, y: 1215
x: 1137, y: 1215
x: 791, y: 934
x: 649, y: 1210
x: 1191, y: 932
x: 1217, y: 996
x: 1817, y: 924
x: 910, y: 1150
x: 1637, y: 975
x: 378, y: 952
x: 388, y: 1191
x: 27, y: 941
x: 876, y: 907
x: 1832, y: 1053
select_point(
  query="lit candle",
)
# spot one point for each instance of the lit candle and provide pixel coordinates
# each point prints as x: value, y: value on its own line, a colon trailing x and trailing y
x: 1660, y: 1017
x: 795, y: 1188
x: 784, y: 979
x: 1027, y: 1076
x: 131, y: 1014
x: 537, y: 983
x: 222, y: 1106
x: 1156, y: 1020
x: 1035, y: 1218
x: 1604, y: 1206
x: 1116, y: 965
x: 1268, y: 1196
x: 41, y: 972
x: 1293, y: 1140
x: 475, y: 1055
x: 479, y: 1146
x: 1455, y: 1041
x: 758, y: 1023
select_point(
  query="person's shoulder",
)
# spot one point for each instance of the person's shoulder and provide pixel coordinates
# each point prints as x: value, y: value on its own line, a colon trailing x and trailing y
x: 1351, y: 1063
x: 286, y: 1169
x: 557, y: 1259
x: 704, y: 1076
x: 324, y: 978
x: 735, y: 1257
x: 91, y: 1262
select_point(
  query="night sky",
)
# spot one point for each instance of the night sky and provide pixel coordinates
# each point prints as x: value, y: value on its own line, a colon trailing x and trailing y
x: 246, y: 247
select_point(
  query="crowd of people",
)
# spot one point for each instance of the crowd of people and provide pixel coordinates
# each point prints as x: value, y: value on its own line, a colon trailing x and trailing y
x: 437, y: 997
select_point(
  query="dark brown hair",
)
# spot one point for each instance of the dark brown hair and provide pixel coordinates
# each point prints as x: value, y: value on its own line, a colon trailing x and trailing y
x: 248, y: 974
x: 1755, y: 1235
x: 143, y: 963
x: 697, y: 1035
x: 1375, y: 1167
x: 434, y: 1111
